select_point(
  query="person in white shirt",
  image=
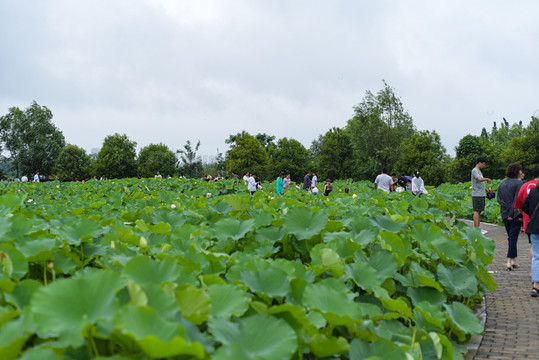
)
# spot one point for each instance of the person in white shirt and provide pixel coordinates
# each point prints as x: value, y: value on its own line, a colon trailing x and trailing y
x: 24, y: 178
x: 246, y: 178
x: 383, y: 181
x: 158, y: 175
x: 251, y: 184
x: 36, y: 177
x: 418, y: 185
x: 314, y: 180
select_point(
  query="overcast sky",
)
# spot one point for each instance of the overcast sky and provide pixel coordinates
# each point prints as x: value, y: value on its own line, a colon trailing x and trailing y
x: 173, y: 70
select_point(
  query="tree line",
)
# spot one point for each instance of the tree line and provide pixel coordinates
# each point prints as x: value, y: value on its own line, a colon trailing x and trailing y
x: 381, y: 133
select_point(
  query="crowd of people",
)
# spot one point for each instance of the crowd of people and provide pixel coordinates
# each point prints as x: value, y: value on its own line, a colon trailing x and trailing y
x: 388, y: 183
x: 35, y: 178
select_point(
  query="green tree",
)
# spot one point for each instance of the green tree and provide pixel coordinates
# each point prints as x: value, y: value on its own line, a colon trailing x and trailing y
x: 380, y: 124
x: 525, y: 149
x: 425, y: 153
x: 156, y: 157
x: 335, y: 157
x: 288, y: 156
x: 246, y: 154
x: 116, y: 159
x: 73, y: 164
x: 31, y: 139
x: 191, y: 164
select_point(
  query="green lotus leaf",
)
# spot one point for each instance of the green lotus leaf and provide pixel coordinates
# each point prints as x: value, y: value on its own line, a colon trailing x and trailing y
x: 257, y: 337
x: 272, y: 281
x: 10, y: 202
x: 39, y: 250
x: 303, y: 223
x: 20, y: 225
x: 386, y: 350
x: 393, y: 242
x: 432, y: 314
x: 173, y: 218
x: 76, y: 231
x: 424, y: 233
x: 464, y: 318
x: 239, y: 204
x: 431, y: 295
x: 297, y: 317
x: 384, y: 222
x: 325, y: 259
x: 66, y: 307
x: 323, y: 346
x: 263, y: 219
x: 195, y: 304
x: 157, y: 337
x: 331, y: 296
x: 420, y: 205
x: 272, y: 233
x: 457, y: 281
x: 397, y: 305
x: 12, y: 339
x: 385, y: 263
x: 365, y: 276
x: 486, y: 278
x: 227, y: 300
x: 449, y: 249
x: 230, y: 228
x: 142, y: 269
x: 421, y: 276
x: 41, y: 354
x: 12, y: 262
x: 22, y: 293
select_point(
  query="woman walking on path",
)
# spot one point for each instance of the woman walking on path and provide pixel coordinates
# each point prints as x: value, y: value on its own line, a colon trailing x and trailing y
x: 507, y: 196
x: 530, y: 206
x: 279, y: 184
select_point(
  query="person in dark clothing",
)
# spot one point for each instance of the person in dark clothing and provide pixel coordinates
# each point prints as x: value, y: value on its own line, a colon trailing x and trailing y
x: 307, y: 181
x: 507, y: 195
x: 530, y: 207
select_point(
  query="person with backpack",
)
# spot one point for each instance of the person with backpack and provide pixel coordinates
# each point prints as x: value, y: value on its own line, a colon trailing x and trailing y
x: 328, y: 187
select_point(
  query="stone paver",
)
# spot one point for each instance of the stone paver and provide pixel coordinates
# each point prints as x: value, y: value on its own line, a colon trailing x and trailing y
x: 512, y: 321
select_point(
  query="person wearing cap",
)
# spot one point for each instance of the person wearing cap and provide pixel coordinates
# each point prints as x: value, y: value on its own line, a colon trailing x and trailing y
x: 478, y: 190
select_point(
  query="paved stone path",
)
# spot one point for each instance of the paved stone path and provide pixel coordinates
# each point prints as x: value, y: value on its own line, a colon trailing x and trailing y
x: 512, y: 321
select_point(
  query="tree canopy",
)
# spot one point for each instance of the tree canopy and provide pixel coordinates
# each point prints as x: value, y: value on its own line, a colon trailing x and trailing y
x: 73, y: 164
x: 31, y: 139
x: 156, y: 157
x: 116, y: 159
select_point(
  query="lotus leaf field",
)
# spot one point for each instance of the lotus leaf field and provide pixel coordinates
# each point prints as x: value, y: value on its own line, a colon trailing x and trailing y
x: 184, y: 269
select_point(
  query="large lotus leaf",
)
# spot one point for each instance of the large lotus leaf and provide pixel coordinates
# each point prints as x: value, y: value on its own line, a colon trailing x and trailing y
x: 79, y: 230
x: 457, y: 281
x: 272, y: 281
x: 12, y: 262
x: 239, y: 203
x: 359, y: 223
x: 22, y: 293
x: 424, y: 233
x: 365, y: 276
x: 323, y: 346
x: 255, y: 337
x: 325, y: 259
x: 385, y: 263
x: 66, y: 307
x: 142, y: 269
x: 162, y: 302
x: 397, y: 305
x: 173, y: 218
x: 482, y: 245
x: 20, y: 225
x: 393, y: 242
x: 13, y: 336
x: 432, y: 314
x: 227, y: 300
x: 303, y: 223
x: 331, y: 297
x: 420, y: 294
x: 195, y: 303
x: 449, y: 249
x: 297, y: 317
x: 157, y: 337
x: 263, y: 219
x: 4, y: 226
x: 230, y: 228
x: 10, y: 202
x: 486, y: 278
x: 385, y: 350
x: 38, y: 250
x: 385, y: 222
x: 41, y: 354
x: 464, y: 318
x: 420, y: 205
x: 272, y: 233
x: 423, y: 277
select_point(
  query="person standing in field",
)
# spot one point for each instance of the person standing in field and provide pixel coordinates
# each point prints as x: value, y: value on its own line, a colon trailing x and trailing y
x: 522, y: 195
x: 286, y: 183
x: 251, y: 184
x: 314, y: 181
x: 246, y: 177
x: 307, y: 181
x: 383, y: 181
x: 279, y: 184
x: 530, y: 207
x: 478, y: 190
x: 507, y: 195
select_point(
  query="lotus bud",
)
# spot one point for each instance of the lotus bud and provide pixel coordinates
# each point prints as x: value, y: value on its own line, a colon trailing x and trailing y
x: 173, y: 206
x: 50, y: 265
x: 143, y: 242
x: 112, y: 245
x: 354, y: 196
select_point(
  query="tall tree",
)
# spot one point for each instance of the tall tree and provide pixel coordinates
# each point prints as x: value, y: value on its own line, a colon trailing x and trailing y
x: 335, y: 157
x: 380, y: 124
x: 73, y: 164
x: 156, y: 157
x: 116, y: 159
x: 425, y: 153
x: 288, y: 156
x: 31, y: 139
x: 525, y: 149
x: 246, y: 154
x: 191, y: 164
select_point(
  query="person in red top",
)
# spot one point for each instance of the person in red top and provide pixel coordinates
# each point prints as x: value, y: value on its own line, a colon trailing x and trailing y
x: 522, y: 195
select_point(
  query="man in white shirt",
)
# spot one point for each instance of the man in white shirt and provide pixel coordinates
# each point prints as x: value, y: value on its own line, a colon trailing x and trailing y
x: 24, y: 178
x: 314, y: 180
x: 36, y: 177
x: 383, y: 181
x: 251, y: 184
